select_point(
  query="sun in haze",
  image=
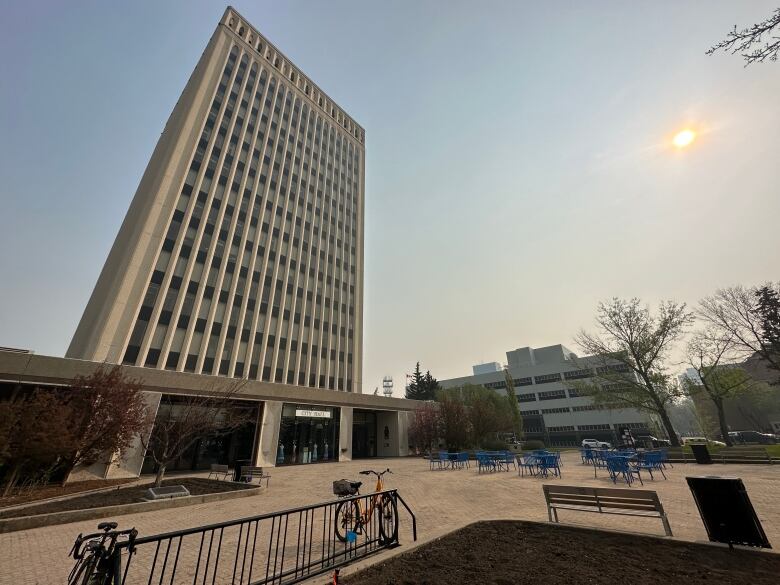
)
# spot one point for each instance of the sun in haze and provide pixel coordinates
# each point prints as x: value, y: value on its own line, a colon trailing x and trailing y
x: 684, y: 138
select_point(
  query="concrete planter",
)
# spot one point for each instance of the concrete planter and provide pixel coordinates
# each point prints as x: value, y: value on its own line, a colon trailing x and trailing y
x: 39, y: 520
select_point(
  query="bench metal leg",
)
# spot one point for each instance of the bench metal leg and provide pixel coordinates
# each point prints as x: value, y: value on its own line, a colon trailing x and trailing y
x: 667, y: 528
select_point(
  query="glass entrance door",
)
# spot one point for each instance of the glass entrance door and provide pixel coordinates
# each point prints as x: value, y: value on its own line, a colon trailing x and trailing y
x: 363, y: 434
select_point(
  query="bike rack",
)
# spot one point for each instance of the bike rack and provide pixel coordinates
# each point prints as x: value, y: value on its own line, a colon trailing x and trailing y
x: 269, y: 549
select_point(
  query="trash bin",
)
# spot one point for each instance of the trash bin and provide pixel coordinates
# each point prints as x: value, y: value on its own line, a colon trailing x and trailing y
x: 702, y: 454
x: 239, y: 463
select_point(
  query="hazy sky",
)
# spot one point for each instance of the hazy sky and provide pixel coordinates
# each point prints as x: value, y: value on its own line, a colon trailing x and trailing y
x: 518, y: 159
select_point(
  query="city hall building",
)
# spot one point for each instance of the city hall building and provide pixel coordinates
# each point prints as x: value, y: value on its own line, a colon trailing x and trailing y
x: 241, y: 258
x: 553, y: 410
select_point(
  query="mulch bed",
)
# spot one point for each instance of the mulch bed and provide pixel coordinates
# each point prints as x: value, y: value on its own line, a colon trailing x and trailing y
x: 510, y: 553
x: 45, y: 492
x: 130, y: 495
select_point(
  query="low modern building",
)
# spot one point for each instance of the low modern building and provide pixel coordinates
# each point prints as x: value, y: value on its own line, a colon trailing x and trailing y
x: 293, y: 424
x: 553, y: 411
x: 240, y: 259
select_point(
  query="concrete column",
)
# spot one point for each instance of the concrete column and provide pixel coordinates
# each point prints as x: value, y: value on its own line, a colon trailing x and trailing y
x: 265, y: 454
x: 345, y: 434
x: 404, y: 419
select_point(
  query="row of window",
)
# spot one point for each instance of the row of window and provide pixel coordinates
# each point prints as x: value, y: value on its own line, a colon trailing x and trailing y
x: 243, y: 285
x: 294, y: 76
x: 600, y: 427
x: 555, y: 410
x: 556, y: 377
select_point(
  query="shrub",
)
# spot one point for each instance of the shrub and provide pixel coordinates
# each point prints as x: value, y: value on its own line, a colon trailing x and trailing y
x: 533, y: 444
x: 494, y: 444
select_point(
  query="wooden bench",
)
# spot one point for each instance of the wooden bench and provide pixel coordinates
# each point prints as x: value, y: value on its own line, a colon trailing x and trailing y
x: 737, y: 454
x: 627, y: 502
x: 250, y: 473
x: 218, y: 470
x: 743, y: 455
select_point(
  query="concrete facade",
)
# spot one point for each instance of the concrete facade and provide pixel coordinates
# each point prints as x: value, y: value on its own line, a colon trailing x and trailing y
x: 242, y: 251
x: 32, y: 370
x: 240, y: 260
x: 552, y: 410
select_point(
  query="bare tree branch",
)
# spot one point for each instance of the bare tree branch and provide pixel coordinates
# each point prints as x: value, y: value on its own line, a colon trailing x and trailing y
x: 749, y: 42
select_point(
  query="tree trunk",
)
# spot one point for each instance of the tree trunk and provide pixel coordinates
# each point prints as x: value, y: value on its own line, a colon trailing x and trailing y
x: 68, y: 470
x: 724, y: 428
x: 159, y: 477
x: 668, y: 427
x: 11, y: 481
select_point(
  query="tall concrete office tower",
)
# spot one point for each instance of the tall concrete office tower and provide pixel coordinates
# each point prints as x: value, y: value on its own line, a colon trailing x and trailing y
x: 242, y: 252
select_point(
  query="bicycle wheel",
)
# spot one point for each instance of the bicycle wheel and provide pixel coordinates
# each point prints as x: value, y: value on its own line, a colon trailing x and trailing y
x: 347, y: 518
x: 83, y: 572
x: 388, y: 520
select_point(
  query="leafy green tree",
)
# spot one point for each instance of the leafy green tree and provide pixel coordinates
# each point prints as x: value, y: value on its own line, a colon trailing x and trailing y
x: 630, y: 351
x: 719, y: 380
x: 485, y: 412
x: 513, y: 405
x: 422, y: 386
x: 430, y: 385
x: 768, y: 308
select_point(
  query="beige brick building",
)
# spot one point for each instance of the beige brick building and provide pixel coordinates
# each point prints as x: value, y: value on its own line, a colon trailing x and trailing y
x: 241, y: 258
x: 242, y: 252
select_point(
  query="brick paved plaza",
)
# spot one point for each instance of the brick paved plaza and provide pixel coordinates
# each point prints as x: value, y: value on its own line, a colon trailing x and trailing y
x: 442, y: 500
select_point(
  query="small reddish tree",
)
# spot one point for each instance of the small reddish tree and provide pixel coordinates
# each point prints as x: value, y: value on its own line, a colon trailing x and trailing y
x: 108, y: 412
x: 182, y: 420
x: 34, y: 428
x: 454, y: 423
x: 424, y: 429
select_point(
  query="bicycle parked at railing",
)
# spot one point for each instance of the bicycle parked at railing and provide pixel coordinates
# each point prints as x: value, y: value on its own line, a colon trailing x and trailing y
x: 95, y: 562
x: 353, y: 517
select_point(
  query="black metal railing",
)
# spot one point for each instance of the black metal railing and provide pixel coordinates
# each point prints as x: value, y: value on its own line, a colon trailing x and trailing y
x: 277, y: 548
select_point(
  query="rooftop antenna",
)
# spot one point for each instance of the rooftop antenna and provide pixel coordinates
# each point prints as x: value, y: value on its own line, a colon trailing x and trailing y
x: 387, y: 386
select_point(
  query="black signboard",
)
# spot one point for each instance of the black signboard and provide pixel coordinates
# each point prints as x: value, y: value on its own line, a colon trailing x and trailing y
x: 702, y: 454
x: 726, y: 511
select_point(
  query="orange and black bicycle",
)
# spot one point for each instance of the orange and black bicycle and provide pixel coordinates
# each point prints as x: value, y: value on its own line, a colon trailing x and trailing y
x: 354, y: 516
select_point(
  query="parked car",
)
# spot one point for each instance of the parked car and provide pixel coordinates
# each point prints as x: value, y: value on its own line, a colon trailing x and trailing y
x: 754, y: 437
x: 701, y: 441
x: 650, y: 441
x: 596, y: 444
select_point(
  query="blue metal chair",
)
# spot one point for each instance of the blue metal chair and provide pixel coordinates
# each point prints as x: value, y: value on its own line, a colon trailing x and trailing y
x: 587, y: 455
x: 547, y: 463
x: 651, y: 460
x: 527, y: 463
x: 463, y: 459
x: 509, y: 459
x: 621, y: 466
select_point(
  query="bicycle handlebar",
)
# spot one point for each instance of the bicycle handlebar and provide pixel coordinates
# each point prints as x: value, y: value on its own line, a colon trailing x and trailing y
x: 377, y: 473
x: 77, y: 552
